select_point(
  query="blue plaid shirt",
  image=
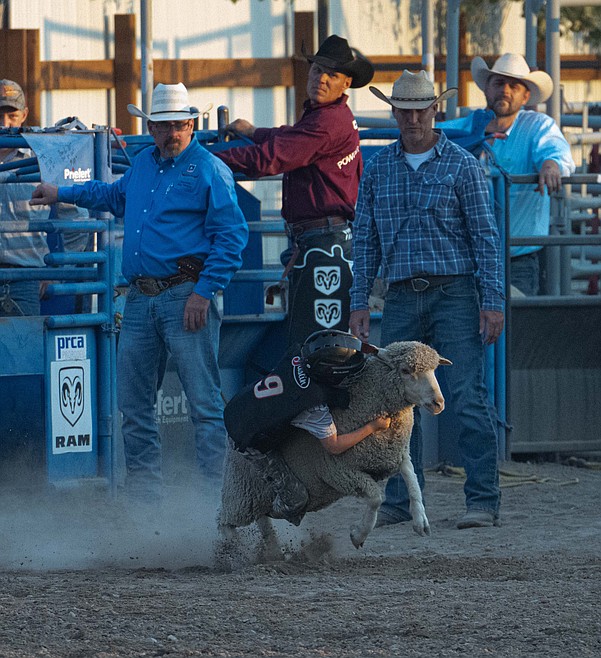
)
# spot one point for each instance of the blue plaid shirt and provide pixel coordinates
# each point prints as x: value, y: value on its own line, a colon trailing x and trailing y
x: 437, y: 220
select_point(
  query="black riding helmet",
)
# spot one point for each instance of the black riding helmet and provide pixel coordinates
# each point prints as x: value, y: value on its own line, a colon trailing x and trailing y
x: 331, y: 356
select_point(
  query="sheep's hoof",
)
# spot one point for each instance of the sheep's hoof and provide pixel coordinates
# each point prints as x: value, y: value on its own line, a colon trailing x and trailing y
x: 358, y: 537
x: 422, y: 527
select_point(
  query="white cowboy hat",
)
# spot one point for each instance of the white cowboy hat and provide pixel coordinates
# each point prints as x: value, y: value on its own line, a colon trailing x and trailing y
x: 169, y: 103
x: 413, y: 91
x: 510, y: 65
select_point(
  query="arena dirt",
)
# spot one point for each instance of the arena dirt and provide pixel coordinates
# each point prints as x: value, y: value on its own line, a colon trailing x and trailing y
x: 82, y: 576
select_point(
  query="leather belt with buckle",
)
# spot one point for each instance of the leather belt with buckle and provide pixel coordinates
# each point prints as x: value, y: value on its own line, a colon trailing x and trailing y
x: 153, y: 287
x: 421, y: 283
x: 298, y: 228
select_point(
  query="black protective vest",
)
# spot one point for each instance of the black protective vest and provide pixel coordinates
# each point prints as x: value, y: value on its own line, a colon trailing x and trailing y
x: 256, y: 415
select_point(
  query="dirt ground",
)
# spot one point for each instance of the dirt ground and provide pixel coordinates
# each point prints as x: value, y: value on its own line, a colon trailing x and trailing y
x: 81, y: 577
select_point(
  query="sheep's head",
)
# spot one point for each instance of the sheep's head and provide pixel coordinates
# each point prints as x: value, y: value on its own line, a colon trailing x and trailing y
x: 414, y: 363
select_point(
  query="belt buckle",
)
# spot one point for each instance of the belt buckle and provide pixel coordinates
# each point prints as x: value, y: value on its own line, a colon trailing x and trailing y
x: 296, y: 230
x: 419, y: 284
x: 147, y: 286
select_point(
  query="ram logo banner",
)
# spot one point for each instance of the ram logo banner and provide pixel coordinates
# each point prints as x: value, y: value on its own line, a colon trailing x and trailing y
x: 328, y: 312
x: 71, y: 406
x: 327, y: 279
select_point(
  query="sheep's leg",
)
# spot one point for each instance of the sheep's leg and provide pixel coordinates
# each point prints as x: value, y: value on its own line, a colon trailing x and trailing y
x: 227, y: 547
x: 371, y: 493
x: 416, y: 503
x: 270, y: 548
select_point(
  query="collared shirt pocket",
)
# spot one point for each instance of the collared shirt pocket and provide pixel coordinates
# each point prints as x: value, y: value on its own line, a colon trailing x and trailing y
x: 431, y: 191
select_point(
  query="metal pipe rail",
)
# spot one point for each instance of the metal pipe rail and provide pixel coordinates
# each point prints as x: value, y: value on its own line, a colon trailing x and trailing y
x: 54, y: 226
x: 83, y: 258
x: 18, y: 164
x: 48, y: 274
x: 575, y: 179
x: 79, y: 320
x: 560, y: 272
x: 557, y: 240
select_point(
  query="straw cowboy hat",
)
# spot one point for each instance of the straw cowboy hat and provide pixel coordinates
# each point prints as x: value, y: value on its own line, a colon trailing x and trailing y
x: 335, y: 53
x: 413, y: 91
x: 169, y: 103
x: 539, y: 83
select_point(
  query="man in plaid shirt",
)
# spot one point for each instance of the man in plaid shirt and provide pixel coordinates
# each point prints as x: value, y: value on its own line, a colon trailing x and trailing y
x: 424, y: 219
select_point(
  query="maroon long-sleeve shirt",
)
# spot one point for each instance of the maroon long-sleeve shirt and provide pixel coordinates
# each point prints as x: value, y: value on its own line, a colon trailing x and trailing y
x: 319, y: 157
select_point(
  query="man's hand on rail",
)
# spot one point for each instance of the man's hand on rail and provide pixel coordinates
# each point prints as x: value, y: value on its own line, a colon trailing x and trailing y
x: 549, y: 176
x: 241, y: 127
x: 44, y: 194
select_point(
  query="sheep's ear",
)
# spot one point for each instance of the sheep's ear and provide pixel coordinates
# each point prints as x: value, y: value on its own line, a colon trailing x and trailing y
x: 444, y: 362
x: 384, y: 356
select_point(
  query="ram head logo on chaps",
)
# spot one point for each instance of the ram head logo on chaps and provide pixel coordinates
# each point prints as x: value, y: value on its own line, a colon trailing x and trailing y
x: 328, y: 312
x: 327, y: 279
x: 71, y: 393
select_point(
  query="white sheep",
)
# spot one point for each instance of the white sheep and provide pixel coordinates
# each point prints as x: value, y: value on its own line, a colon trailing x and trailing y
x: 392, y: 383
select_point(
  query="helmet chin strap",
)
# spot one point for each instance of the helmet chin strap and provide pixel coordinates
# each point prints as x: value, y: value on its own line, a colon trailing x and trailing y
x: 368, y: 348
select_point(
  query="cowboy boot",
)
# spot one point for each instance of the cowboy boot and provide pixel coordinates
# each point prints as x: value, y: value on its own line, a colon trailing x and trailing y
x: 291, y: 495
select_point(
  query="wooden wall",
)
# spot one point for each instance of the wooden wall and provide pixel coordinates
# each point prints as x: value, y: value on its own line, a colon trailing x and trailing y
x: 20, y: 54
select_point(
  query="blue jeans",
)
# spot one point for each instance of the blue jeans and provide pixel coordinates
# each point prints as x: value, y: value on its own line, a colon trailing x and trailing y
x: 447, y: 317
x: 18, y: 298
x: 525, y: 273
x: 152, y: 328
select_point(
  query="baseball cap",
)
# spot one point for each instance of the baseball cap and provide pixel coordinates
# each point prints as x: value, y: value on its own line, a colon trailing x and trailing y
x: 11, y: 95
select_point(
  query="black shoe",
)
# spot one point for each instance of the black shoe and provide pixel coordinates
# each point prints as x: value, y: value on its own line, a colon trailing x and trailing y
x: 391, y: 518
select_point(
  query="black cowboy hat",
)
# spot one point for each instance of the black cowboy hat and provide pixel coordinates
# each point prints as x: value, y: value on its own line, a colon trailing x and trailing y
x: 335, y: 53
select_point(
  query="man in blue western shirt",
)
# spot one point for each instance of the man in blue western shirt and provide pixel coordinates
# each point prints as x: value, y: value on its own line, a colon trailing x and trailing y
x: 178, y: 202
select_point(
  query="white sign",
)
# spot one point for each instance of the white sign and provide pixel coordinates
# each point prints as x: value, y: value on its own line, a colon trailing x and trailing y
x: 70, y: 347
x: 71, y: 406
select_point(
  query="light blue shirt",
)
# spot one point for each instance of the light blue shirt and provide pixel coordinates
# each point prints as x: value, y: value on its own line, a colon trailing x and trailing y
x: 184, y: 206
x: 533, y: 138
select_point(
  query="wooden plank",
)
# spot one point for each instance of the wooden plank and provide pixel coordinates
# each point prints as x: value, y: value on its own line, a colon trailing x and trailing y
x: 13, y: 44
x: 127, y: 75
x: 78, y: 74
x: 32, y: 88
x: 99, y: 74
x: 464, y: 78
x: 304, y: 22
x: 250, y: 72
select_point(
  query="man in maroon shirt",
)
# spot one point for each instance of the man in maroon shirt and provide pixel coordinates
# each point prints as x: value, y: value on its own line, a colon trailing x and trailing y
x: 321, y: 162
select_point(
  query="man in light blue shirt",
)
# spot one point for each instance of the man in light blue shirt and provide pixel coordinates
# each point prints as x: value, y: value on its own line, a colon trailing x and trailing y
x: 184, y: 234
x: 522, y: 142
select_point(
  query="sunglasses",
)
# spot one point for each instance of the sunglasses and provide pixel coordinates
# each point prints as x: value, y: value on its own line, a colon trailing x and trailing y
x: 163, y: 127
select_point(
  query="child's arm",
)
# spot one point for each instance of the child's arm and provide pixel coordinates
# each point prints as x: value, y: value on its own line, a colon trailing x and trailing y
x: 339, y: 443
